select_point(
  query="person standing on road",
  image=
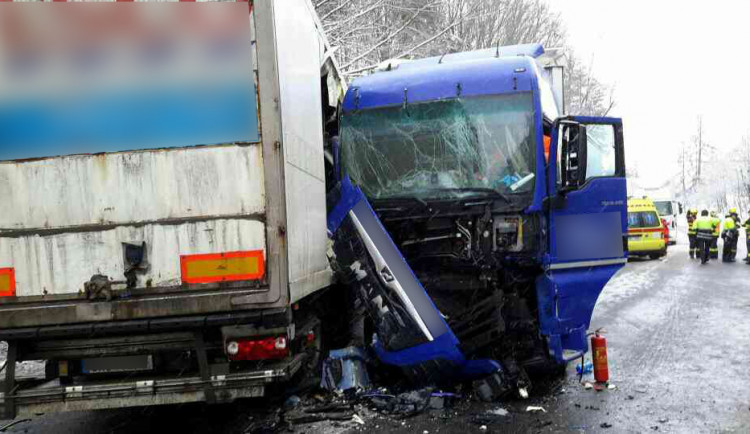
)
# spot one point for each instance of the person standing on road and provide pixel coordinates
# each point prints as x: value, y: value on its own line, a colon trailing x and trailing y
x: 746, y: 225
x: 692, y: 214
x: 716, y: 224
x: 704, y: 234
x: 736, y: 217
x: 729, y: 234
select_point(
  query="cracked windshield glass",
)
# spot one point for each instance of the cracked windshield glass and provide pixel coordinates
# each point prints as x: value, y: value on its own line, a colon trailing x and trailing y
x: 444, y: 149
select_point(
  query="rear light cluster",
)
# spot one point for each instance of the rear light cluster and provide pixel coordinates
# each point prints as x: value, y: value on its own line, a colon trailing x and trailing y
x: 273, y: 347
x: 7, y: 282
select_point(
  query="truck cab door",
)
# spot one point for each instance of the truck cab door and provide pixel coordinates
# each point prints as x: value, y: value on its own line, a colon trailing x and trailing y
x: 586, y: 211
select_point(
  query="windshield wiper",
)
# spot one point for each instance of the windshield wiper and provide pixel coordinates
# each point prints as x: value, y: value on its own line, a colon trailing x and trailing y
x: 486, y: 191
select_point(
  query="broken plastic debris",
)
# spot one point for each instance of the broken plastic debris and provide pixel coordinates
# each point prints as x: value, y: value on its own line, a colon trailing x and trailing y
x: 588, y: 368
x: 292, y: 402
x: 606, y: 425
x: 612, y: 387
x: 534, y: 408
x: 345, y: 369
x: 357, y: 419
x: 483, y: 427
x: 523, y: 393
x: 588, y: 385
x: 498, y: 411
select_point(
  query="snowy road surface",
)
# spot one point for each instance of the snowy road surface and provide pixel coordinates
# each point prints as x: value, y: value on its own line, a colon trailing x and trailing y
x: 679, y: 347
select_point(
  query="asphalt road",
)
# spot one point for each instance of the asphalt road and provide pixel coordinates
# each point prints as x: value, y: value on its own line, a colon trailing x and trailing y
x: 679, y: 348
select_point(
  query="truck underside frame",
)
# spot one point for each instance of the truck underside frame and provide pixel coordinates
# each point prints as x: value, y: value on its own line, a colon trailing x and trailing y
x: 212, y: 383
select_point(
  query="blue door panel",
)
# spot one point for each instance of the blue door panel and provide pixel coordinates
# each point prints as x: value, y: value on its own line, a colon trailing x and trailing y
x: 586, y: 248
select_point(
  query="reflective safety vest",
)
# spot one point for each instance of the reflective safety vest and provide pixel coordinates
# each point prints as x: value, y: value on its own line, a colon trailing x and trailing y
x: 704, y: 225
x: 746, y: 225
x: 716, y: 222
x: 691, y: 223
x: 729, y: 224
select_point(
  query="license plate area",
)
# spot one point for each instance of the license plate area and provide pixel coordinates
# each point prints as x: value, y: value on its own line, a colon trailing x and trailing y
x: 108, y: 365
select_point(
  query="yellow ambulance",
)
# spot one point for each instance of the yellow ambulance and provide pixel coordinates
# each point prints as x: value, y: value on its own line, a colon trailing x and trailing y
x: 645, y: 229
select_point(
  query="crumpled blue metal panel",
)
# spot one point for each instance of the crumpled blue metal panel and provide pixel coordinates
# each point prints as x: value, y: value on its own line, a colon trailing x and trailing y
x: 411, y: 332
x: 351, y: 372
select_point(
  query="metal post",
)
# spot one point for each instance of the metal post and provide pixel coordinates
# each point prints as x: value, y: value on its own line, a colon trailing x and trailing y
x: 200, y: 349
x: 10, y: 380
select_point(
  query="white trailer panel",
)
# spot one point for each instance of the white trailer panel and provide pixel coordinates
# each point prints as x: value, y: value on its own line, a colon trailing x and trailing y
x: 132, y: 187
x: 299, y: 64
x: 60, y: 263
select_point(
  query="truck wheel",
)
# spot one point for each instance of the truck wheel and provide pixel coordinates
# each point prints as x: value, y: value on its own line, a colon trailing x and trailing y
x: 655, y: 255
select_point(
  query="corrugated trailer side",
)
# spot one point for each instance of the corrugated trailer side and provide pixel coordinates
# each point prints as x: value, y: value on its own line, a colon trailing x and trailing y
x: 186, y: 257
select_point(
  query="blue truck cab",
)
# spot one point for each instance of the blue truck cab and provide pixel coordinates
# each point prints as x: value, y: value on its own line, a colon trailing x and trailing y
x: 477, y: 223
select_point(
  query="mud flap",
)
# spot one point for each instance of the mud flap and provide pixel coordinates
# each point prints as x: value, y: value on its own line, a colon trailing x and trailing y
x: 410, y: 331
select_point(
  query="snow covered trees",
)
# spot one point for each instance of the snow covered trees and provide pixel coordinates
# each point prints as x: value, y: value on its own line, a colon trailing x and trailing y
x: 367, y: 32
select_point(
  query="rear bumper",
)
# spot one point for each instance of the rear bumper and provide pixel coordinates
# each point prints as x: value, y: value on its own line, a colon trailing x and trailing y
x: 266, y: 317
x: 642, y: 247
x: 31, y: 397
x: 135, y: 307
x: 660, y: 252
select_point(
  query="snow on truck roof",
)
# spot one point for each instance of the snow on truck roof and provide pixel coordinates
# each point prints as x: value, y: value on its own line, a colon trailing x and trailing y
x: 473, y: 73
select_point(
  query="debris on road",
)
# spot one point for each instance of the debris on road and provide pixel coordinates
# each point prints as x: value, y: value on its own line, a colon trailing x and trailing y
x: 292, y: 402
x: 12, y: 423
x: 605, y: 425
x: 498, y: 411
x: 534, y: 408
x: 345, y: 369
x: 588, y: 368
x: 411, y: 403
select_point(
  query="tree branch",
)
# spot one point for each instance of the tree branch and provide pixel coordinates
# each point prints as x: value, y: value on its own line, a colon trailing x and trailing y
x: 389, y: 37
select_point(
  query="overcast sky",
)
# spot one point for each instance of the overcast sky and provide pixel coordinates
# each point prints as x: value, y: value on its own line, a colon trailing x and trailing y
x: 669, y: 61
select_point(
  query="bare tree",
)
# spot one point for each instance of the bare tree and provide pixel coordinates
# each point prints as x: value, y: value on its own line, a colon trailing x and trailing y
x: 583, y: 92
x: 368, y: 32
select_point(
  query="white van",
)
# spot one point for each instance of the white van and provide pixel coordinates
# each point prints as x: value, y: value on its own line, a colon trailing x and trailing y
x: 669, y: 210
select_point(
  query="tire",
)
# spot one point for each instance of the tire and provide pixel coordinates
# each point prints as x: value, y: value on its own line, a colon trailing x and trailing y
x: 655, y: 255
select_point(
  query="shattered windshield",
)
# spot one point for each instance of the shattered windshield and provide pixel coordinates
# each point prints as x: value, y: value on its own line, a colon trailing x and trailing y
x: 443, y: 149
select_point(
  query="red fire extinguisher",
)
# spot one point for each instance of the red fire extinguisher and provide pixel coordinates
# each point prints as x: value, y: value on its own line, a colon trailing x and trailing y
x: 599, y: 354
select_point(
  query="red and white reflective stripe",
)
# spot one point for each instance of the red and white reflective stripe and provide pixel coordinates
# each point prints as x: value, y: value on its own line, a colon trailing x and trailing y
x: 646, y: 230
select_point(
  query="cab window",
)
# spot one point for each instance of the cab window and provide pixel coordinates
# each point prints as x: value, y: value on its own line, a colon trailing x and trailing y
x: 601, y: 151
x: 643, y: 219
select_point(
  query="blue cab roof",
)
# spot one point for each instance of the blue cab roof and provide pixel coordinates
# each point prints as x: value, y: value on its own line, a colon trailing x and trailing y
x: 473, y: 73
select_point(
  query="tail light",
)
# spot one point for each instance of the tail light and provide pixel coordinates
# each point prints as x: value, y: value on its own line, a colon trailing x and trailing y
x: 7, y: 282
x: 274, y: 347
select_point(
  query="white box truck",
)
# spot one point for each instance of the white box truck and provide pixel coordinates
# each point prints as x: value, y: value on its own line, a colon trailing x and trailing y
x: 162, y: 200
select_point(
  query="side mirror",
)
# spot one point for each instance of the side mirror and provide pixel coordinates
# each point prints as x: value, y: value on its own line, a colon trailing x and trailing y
x: 573, y: 155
